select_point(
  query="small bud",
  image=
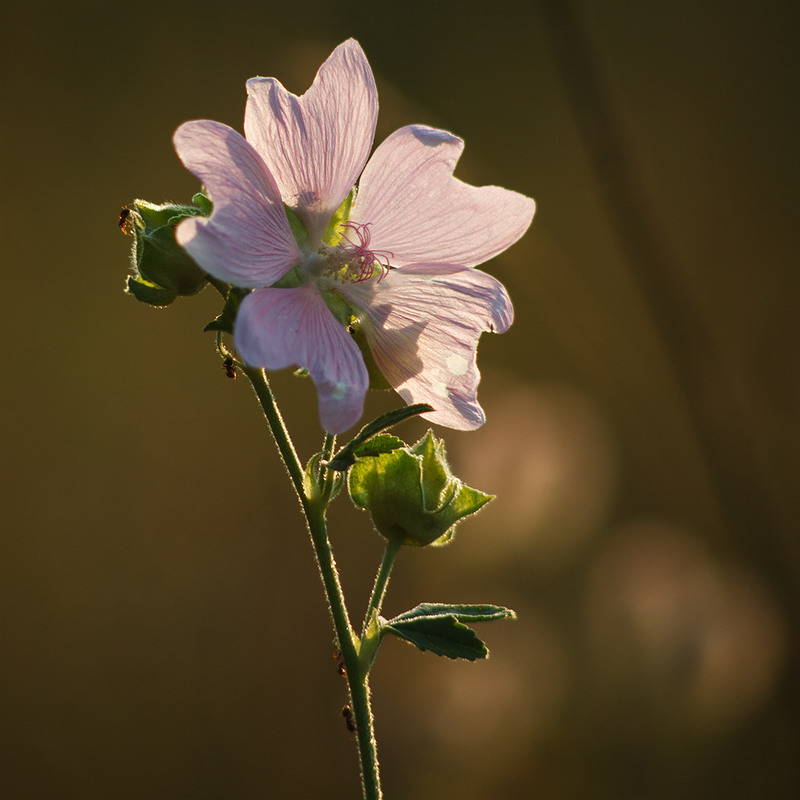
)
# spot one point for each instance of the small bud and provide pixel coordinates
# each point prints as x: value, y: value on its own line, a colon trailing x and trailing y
x: 163, y: 270
x: 412, y: 495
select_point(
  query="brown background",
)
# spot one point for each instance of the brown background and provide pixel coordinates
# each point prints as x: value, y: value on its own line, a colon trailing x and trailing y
x: 162, y: 631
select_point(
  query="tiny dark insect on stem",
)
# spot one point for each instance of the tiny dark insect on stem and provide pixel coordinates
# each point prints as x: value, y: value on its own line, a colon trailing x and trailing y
x: 340, y: 668
x: 124, y: 221
x: 230, y: 370
x: 347, y: 714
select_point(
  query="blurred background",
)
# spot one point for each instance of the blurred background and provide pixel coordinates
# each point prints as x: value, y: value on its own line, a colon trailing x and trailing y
x: 162, y: 631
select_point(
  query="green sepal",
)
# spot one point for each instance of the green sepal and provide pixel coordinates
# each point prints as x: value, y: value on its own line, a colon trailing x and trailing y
x: 163, y: 270
x: 411, y: 494
x: 311, y: 484
x: 439, y: 481
x: 388, y: 486
x: 345, y: 457
x: 298, y: 228
x: 334, y: 232
x: 225, y: 320
x: 291, y: 280
x: 335, y: 486
x: 148, y: 292
x: 202, y: 201
x: 382, y: 443
x: 339, y: 308
x: 444, y: 539
x: 440, y: 628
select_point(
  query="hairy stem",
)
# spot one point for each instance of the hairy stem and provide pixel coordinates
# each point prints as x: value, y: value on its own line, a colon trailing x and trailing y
x: 279, y: 432
x: 381, y: 582
x: 314, y: 507
x: 357, y: 677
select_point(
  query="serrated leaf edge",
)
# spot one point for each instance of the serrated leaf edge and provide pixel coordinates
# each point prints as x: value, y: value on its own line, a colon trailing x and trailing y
x: 469, y: 653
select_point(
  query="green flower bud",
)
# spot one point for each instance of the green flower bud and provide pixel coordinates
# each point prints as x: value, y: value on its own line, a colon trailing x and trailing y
x: 163, y: 270
x: 411, y: 493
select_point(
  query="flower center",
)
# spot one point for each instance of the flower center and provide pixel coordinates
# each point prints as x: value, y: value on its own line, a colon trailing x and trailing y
x: 364, y: 263
x: 352, y: 260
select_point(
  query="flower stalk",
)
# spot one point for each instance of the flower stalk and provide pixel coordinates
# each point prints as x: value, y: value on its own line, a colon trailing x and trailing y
x: 314, y: 506
x: 279, y: 431
x: 381, y: 582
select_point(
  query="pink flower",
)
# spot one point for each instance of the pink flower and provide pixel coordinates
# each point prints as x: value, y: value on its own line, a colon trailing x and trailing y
x: 399, y: 266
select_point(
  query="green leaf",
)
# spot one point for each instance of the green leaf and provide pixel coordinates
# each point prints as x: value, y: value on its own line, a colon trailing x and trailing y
x: 485, y: 612
x: 440, y: 628
x: 345, y: 458
x: 220, y: 323
x: 445, y: 636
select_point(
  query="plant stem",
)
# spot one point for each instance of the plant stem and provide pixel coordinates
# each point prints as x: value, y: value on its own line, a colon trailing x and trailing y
x: 314, y: 506
x: 381, y: 582
x: 357, y: 677
x: 279, y: 432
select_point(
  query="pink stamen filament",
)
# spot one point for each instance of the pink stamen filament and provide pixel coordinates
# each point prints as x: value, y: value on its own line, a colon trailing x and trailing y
x: 363, y: 258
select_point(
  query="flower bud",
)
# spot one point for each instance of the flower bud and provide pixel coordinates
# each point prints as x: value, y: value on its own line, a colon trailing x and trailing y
x: 411, y: 493
x: 162, y: 268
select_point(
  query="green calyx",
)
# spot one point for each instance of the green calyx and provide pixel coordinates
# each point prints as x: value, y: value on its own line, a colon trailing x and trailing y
x: 412, y: 494
x: 334, y: 229
x: 299, y: 230
x: 162, y: 269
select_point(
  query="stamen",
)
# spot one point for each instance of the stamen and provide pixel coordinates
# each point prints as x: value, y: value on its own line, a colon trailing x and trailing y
x: 361, y: 257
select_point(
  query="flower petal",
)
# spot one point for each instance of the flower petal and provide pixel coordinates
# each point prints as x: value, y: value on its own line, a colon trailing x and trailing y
x: 247, y: 240
x: 419, y: 212
x: 423, y: 323
x: 316, y: 145
x: 279, y: 328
